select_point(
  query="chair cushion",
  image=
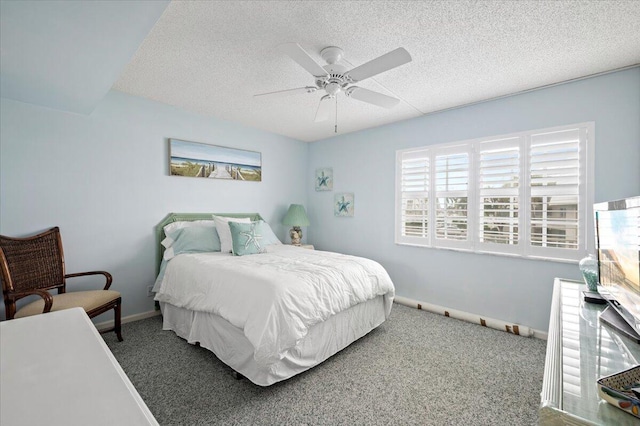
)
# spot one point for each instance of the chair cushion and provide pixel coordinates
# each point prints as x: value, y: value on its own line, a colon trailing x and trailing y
x: 77, y: 299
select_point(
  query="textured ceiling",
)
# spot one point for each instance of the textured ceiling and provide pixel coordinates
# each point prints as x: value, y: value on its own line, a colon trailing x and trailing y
x: 212, y: 57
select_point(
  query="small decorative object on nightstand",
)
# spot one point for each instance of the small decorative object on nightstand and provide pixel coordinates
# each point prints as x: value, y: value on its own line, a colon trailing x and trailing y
x: 296, y: 217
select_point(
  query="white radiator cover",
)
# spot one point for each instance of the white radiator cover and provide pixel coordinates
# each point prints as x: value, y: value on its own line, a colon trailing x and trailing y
x: 521, y: 330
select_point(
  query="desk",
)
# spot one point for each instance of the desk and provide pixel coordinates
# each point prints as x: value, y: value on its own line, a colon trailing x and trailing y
x: 580, y: 350
x: 55, y: 369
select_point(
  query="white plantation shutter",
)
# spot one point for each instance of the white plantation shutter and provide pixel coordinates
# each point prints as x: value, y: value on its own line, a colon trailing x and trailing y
x: 499, y: 169
x: 414, y: 183
x: 451, y: 196
x: 522, y: 194
x: 554, y: 181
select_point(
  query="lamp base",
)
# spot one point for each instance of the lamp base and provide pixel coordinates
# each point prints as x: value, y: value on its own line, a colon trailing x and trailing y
x: 296, y: 235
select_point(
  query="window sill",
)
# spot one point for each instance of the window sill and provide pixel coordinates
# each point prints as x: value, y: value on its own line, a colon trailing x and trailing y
x: 493, y: 253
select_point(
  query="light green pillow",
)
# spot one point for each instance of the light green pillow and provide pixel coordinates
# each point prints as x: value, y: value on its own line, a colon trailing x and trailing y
x: 195, y: 239
x: 246, y: 238
x: 268, y: 237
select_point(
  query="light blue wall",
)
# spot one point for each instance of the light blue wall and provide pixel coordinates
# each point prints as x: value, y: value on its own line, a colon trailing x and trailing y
x: 103, y: 179
x: 514, y: 290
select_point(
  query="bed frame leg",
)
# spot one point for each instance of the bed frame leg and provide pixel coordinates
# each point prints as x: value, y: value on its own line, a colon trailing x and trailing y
x: 237, y: 375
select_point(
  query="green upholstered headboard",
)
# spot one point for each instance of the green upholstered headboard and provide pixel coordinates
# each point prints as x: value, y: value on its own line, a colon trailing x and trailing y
x: 188, y: 217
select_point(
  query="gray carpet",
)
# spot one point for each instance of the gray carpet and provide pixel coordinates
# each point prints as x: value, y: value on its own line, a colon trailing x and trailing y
x: 416, y: 368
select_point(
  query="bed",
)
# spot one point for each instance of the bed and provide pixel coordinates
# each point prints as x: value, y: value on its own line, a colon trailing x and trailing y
x: 270, y: 314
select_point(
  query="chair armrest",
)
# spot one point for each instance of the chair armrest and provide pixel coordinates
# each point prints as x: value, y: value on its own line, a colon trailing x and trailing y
x: 107, y: 275
x: 48, y: 300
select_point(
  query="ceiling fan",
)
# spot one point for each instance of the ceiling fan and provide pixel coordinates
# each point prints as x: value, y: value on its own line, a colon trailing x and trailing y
x: 334, y: 78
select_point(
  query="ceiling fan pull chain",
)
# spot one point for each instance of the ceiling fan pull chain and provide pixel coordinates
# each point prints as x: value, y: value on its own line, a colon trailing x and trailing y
x: 335, y: 129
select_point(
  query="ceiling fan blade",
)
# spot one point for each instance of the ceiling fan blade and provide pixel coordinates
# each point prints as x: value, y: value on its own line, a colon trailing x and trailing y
x: 383, y: 63
x: 298, y: 54
x: 372, y: 97
x: 288, y: 92
x: 324, y: 109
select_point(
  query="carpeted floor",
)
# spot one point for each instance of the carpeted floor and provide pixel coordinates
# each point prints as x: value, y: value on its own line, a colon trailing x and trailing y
x: 416, y: 368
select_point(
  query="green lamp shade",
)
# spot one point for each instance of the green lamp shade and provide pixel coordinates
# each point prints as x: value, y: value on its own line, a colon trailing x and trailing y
x: 296, y: 216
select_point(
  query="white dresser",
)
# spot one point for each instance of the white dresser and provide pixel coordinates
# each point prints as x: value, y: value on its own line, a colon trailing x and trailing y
x: 57, y: 370
x: 580, y: 350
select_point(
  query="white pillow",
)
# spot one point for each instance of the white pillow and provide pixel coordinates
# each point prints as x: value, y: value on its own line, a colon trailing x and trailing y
x: 168, y: 253
x: 186, y: 223
x: 167, y: 242
x: 224, y: 232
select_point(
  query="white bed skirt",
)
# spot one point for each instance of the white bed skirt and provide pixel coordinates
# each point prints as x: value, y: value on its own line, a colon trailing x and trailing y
x: 230, y: 345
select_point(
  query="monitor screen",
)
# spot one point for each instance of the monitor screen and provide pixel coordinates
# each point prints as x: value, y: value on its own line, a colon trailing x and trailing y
x: 618, y: 244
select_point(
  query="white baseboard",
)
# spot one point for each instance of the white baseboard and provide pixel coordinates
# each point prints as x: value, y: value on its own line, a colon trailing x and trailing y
x: 540, y: 334
x: 129, y: 318
x: 473, y: 318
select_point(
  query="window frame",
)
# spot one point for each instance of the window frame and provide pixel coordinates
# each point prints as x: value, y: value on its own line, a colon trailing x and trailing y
x: 524, y: 248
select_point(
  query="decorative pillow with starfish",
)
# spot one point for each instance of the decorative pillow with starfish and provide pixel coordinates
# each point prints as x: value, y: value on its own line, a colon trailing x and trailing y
x: 247, y: 238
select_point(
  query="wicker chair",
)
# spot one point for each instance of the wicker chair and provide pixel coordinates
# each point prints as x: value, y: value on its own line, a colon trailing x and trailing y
x: 34, y: 265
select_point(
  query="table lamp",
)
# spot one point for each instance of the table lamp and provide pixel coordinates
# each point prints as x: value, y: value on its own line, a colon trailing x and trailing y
x: 296, y: 217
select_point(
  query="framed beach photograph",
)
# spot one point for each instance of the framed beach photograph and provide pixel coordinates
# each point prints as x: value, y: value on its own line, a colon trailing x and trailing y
x: 343, y: 204
x: 324, y: 179
x: 194, y: 159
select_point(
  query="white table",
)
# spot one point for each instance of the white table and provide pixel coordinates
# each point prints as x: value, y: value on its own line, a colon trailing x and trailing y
x: 580, y: 350
x: 57, y: 370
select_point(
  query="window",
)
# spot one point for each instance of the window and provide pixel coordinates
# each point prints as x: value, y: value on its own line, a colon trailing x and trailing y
x: 451, y: 196
x: 499, y: 193
x: 523, y: 194
x: 415, y: 194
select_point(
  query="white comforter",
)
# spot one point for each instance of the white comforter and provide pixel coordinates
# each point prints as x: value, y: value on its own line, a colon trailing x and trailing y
x: 274, y: 297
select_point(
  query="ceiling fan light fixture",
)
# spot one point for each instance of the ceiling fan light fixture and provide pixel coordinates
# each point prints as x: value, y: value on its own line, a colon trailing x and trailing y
x: 333, y: 88
x: 324, y: 109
